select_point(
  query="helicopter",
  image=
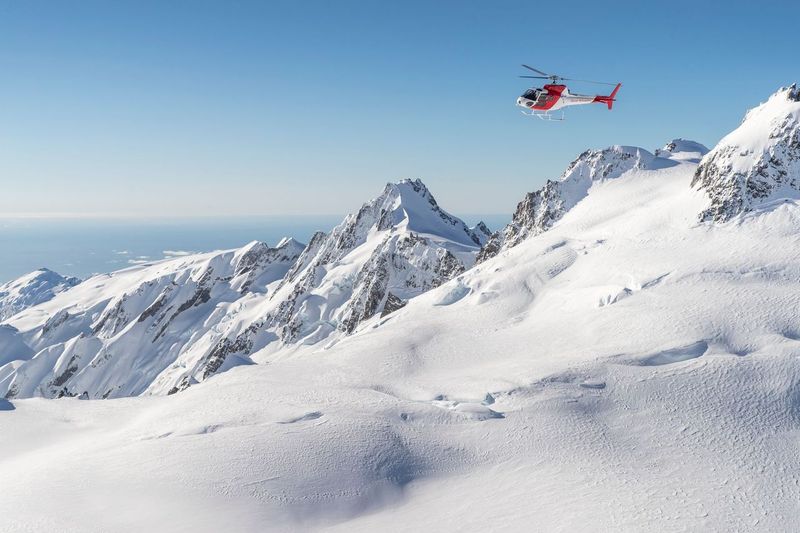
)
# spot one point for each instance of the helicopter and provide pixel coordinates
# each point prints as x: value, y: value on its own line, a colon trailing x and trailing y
x: 540, y: 102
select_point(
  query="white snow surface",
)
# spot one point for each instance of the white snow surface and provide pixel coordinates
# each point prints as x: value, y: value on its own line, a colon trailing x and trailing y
x: 630, y: 369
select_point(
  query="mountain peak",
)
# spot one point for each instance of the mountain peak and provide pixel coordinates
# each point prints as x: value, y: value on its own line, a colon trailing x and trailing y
x: 405, y: 191
x: 409, y: 205
x: 758, y: 162
x: 682, y: 150
x: 31, y: 289
x: 289, y: 242
x: 408, y: 186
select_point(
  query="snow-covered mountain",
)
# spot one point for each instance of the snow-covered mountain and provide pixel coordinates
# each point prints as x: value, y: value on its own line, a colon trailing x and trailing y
x: 540, y: 209
x: 32, y: 289
x: 620, y: 365
x: 113, y: 334
x: 758, y: 162
x: 160, y: 328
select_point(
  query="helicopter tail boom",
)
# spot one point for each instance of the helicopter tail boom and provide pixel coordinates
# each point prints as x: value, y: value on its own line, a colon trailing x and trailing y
x: 608, y: 100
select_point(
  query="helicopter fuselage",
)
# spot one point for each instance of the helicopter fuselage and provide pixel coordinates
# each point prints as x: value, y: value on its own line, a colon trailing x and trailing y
x: 540, y: 102
x: 552, y: 97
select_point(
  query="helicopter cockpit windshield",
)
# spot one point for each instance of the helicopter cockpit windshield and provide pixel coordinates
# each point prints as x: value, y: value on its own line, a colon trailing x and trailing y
x: 537, y: 96
x: 532, y: 94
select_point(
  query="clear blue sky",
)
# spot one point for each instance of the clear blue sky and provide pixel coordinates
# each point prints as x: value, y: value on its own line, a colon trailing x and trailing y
x: 173, y: 107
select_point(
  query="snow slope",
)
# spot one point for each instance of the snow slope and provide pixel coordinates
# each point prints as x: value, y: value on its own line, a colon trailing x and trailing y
x: 32, y: 289
x: 539, y: 210
x: 630, y: 369
x: 623, y: 369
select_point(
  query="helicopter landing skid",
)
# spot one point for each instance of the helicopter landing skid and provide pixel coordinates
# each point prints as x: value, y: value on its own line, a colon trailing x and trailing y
x: 545, y: 116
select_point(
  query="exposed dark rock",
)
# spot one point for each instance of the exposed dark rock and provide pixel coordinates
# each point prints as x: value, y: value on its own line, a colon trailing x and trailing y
x: 201, y: 295
x: 242, y: 344
x: 393, y: 303
x: 55, y: 321
x: 112, y: 320
x: 72, y: 367
x: 156, y: 306
x: 182, y: 385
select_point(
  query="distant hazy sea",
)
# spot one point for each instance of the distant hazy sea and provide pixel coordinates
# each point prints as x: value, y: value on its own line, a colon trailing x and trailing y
x: 84, y: 246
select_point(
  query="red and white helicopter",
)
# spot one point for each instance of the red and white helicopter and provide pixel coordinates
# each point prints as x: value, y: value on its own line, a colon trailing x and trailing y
x: 539, y: 102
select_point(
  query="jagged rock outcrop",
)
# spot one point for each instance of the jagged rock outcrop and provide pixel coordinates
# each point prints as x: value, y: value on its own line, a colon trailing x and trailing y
x: 756, y: 164
x: 32, y: 289
x: 393, y: 303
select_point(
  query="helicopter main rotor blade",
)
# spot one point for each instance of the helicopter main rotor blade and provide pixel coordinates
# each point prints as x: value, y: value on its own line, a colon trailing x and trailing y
x: 536, y: 70
x: 555, y: 77
x: 590, y: 81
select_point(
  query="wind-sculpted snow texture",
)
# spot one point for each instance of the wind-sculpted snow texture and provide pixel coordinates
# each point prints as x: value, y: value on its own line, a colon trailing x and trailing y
x: 757, y: 163
x: 158, y: 329
x: 32, y: 289
x: 629, y: 369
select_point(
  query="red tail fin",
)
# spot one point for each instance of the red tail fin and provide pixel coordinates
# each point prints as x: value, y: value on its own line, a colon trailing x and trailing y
x: 608, y: 100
